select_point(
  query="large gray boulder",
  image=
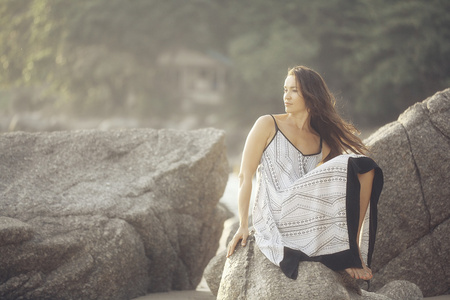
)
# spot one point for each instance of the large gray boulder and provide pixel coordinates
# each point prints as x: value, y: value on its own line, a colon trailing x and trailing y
x: 414, y: 208
x: 108, y: 215
x: 249, y: 275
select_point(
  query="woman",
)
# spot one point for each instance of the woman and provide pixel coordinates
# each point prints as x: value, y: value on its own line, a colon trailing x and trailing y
x: 314, y: 201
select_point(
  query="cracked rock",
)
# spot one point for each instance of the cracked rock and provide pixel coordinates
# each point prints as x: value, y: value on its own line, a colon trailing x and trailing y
x: 412, y: 240
x: 108, y: 214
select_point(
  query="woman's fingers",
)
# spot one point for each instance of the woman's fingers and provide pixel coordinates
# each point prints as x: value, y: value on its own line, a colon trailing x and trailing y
x: 244, y: 240
x: 232, y: 246
x: 241, y: 234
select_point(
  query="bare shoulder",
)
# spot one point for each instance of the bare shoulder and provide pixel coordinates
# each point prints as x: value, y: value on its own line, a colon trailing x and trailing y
x: 264, y: 124
x: 264, y: 128
x: 265, y: 121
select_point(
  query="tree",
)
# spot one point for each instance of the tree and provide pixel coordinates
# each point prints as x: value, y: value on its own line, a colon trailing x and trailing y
x: 98, y: 55
x: 378, y: 56
x: 402, y: 57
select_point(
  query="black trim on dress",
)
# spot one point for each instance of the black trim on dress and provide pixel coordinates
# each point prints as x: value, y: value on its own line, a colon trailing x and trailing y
x: 348, y: 258
x: 279, y: 130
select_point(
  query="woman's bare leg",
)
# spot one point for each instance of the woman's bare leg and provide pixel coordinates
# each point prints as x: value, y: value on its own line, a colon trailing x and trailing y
x: 366, y: 181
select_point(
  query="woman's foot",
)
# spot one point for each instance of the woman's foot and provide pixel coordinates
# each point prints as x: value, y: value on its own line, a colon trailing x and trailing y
x: 365, y: 273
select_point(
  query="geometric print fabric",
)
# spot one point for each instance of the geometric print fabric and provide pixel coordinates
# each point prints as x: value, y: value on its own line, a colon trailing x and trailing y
x: 300, y: 205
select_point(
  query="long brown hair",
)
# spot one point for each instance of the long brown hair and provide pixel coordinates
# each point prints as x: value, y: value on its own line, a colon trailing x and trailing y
x: 320, y: 102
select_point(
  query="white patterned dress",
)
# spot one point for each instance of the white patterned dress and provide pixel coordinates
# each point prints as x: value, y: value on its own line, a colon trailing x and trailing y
x: 307, y: 212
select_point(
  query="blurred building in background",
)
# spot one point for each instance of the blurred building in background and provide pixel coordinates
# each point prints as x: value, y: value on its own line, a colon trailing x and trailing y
x: 198, y: 80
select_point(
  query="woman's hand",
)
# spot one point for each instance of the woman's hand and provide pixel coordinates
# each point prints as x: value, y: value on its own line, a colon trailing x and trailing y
x: 241, y: 234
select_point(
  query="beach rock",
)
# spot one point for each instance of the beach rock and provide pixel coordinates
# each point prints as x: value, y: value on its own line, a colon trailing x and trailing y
x: 213, y: 271
x: 401, y: 290
x: 418, y: 263
x: 108, y: 214
x: 414, y: 207
x: 13, y: 231
x: 248, y: 274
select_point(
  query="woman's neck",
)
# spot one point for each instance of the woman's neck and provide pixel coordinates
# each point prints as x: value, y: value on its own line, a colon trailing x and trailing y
x: 299, y: 120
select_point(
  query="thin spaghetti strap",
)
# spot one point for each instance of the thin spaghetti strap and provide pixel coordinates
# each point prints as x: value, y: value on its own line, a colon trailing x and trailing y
x: 276, y: 125
x: 276, y: 131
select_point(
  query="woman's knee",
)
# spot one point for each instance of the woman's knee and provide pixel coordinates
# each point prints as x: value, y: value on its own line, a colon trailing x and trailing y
x: 366, y: 177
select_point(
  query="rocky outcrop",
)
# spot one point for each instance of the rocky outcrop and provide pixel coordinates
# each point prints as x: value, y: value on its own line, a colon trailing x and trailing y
x: 108, y: 215
x: 213, y: 271
x: 248, y: 274
x: 414, y: 208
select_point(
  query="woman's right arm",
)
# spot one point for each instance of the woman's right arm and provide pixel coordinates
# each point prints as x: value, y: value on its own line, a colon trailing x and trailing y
x: 257, y: 140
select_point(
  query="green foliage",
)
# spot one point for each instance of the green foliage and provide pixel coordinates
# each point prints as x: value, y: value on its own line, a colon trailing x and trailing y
x: 402, y: 57
x: 99, y: 56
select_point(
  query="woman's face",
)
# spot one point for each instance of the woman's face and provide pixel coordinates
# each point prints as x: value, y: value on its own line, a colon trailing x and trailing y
x: 293, y: 98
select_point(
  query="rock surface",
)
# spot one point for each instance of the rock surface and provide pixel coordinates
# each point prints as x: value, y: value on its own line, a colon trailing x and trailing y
x: 108, y: 215
x: 213, y: 271
x: 414, y: 208
x: 401, y: 289
x: 248, y: 274
x: 13, y: 231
